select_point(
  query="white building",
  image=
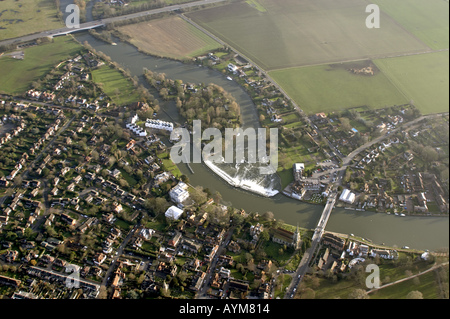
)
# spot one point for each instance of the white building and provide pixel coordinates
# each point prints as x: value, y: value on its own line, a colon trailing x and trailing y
x: 136, y: 129
x: 158, y: 124
x: 179, y: 193
x: 347, y: 196
x: 134, y: 119
x: 298, y: 171
x: 173, y: 212
x: 232, y: 68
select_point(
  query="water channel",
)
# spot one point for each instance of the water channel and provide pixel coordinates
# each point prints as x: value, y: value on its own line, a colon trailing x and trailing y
x: 416, y: 232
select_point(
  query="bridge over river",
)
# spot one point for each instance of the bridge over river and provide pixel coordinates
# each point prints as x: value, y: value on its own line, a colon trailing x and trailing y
x: 307, y: 256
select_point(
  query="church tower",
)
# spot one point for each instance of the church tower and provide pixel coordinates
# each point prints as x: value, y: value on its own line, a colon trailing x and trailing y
x: 296, y: 239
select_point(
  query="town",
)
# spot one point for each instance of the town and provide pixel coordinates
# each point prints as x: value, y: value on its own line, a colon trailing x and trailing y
x: 94, y: 203
x: 85, y: 193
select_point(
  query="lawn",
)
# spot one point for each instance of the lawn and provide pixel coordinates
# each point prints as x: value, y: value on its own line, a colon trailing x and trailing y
x: 18, y: 75
x: 328, y: 88
x: 427, y: 20
x: 426, y: 284
x: 169, y: 165
x: 18, y: 18
x: 299, y: 32
x: 115, y: 85
x: 424, y: 79
x: 169, y: 37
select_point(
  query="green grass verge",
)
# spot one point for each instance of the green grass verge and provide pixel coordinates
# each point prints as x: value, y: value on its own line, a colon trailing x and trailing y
x: 257, y: 5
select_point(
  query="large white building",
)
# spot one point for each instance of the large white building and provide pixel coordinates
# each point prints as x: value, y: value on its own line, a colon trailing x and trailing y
x: 298, y: 169
x: 179, y: 193
x: 136, y: 129
x: 347, y: 196
x: 158, y: 124
x: 173, y: 212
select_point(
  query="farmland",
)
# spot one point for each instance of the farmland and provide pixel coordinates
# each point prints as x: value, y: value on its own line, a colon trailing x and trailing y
x: 333, y: 87
x: 169, y: 37
x: 293, y: 33
x: 422, y: 78
x: 23, y: 17
x: 426, y: 20
x: 18, y: 75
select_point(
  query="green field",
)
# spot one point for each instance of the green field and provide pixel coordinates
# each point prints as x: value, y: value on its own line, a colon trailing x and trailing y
x: 23, y: 17
x: 428, y: 20
x: 424, y: 79
x: 18, y: 75
x: 328, y: 88
x: 115, y: 85
x: 427, y: 284
x: 300, y: 32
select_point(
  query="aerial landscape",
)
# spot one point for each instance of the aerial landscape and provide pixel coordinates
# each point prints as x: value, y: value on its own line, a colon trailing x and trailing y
x: 195, y: 152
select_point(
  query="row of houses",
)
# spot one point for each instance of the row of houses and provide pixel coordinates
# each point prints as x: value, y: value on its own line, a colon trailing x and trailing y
x: 8, y: 136
x: 158, y: 124
x: 62, y: 278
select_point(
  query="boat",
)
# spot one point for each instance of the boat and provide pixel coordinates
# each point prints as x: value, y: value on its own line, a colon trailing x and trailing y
x: 229, y: 78
x: 114, y: 43
x: 403, y: 215
x: 396, y: 214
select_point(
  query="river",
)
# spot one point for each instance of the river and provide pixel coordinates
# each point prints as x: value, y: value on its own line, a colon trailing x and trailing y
x: 416, y: 232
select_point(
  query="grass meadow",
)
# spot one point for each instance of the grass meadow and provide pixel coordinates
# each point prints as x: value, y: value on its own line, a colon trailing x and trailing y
x: 278, y: 34
x: 328, y: 88
x: 115, y: 85
x: 18, y: 18
x: 169, y: 37
x: 18, y: 75
x: 422, y: 78
x: 427, y: 20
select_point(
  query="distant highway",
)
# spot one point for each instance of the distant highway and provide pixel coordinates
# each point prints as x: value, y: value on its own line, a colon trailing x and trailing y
x: 102, y: 22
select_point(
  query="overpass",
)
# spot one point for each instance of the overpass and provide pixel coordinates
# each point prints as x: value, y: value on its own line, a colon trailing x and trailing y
x: 83, y: 27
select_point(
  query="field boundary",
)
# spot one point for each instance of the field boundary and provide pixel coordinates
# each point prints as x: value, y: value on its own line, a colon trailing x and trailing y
x: 362, y: 59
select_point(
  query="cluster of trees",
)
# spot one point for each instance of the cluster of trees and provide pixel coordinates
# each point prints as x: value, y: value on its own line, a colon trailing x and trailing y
x: 208, y: 103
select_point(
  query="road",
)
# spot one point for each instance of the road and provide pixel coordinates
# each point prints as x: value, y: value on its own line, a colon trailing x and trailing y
x: 118, y: 254
x: 98, y: 23
x: 201, y: 294
x: 308, y: 255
